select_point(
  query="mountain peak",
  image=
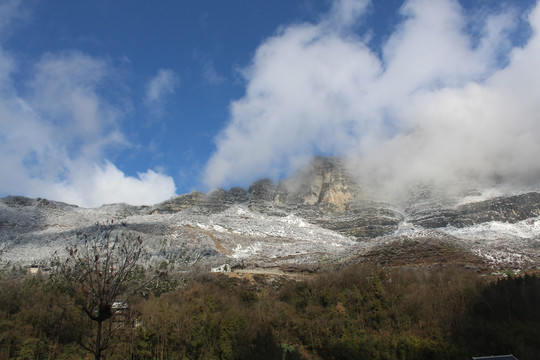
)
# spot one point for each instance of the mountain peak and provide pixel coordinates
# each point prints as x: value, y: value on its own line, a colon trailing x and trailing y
x: 324, y: 181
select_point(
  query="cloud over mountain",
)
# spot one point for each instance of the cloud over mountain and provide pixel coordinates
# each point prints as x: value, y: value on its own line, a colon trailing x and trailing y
x: 447, y: 96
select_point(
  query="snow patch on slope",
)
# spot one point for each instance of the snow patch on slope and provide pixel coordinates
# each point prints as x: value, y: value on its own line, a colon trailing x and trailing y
x: 261, y: 225
x: 526, y: 229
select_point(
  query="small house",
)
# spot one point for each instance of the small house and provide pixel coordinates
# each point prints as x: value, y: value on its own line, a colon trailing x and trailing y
x: 121, y: 311
x: 33, y: 270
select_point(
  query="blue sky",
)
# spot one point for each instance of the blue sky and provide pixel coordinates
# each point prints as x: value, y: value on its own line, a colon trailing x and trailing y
x: 136, y: 101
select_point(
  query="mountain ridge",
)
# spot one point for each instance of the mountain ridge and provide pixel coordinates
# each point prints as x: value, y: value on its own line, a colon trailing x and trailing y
x: 320, y: 214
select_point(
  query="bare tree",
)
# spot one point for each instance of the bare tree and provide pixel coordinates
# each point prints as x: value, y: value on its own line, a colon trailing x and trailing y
x: 98, y: 269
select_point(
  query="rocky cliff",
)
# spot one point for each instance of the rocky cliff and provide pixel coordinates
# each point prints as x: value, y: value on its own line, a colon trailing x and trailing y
x: 322, y: 193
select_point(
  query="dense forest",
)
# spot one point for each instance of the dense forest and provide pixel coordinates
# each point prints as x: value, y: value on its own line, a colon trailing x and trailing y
x: 354, y: 312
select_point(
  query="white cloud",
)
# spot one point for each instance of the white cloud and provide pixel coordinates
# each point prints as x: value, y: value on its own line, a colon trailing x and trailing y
x: 344, y: 13
x: 294, y: 101
x: 437, y: 104
x: 161, y: 85
x: 106, y: 184
x: 54, y: 136
x: 64, y: 93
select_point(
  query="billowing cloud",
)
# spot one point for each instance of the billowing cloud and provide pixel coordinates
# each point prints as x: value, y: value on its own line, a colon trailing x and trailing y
x: 106, y: 184
x: 55, y: 130
x: 161, y: 85
x: 439, y: 102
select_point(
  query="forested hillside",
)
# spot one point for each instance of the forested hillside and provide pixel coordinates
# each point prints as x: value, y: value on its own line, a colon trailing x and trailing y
x: 356, y: 312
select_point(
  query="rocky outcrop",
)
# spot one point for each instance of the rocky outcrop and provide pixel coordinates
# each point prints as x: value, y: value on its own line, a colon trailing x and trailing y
x: 369, y: 220
x: 324, y: 182
x: 261, y: 195
x: 183, y: 202
x: 214, y: 202
x: 220, y: 200
x: 325, y: 194
x: 509, y: 209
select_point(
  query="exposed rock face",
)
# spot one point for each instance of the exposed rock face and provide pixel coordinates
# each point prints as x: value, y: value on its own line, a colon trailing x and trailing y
x: 366, y: 220
x: 324, y: 182
x: 509, y: 209
x: 261, y: 195
x: 323, y: 193
x: 192, y: 200
x: 217, y: 201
